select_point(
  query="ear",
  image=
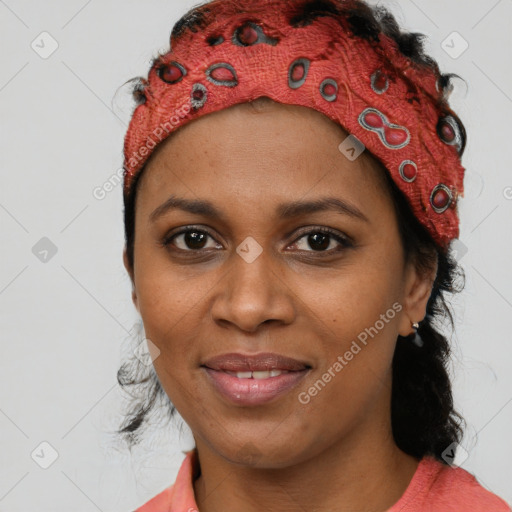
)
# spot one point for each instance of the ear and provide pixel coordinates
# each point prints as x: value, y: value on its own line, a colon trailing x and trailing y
x: 129, y: 269
x: 418, y: 288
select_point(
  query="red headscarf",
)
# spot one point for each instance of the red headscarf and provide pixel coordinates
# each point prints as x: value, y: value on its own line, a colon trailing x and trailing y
x: 307, y: 52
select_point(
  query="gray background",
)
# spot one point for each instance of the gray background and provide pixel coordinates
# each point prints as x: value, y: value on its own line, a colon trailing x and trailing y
x: 66, y: 317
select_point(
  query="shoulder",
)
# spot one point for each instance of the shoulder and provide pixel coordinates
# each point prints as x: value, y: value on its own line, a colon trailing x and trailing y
x: 441, y: 488
x: 461, y: 486
x: 159, y: 503
x: 180, y: 495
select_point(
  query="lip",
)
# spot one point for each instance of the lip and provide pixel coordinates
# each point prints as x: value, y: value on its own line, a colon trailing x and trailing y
x: 253, y: 391
x: 237, y: 362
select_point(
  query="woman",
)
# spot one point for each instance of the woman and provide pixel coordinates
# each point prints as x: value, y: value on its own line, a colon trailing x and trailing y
x: 289, y: 254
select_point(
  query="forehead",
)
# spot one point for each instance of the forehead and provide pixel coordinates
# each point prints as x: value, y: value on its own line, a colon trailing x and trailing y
x: 260, y: 153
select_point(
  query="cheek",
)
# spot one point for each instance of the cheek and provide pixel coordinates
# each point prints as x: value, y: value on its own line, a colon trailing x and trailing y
x: 354, y: 298
x: 173, y: 307
x: 356, y: 317
x: 166, y: 295
x: 356, y: 333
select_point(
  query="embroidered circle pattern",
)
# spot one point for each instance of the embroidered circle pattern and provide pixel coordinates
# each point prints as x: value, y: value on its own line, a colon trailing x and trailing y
x: 393, y: 136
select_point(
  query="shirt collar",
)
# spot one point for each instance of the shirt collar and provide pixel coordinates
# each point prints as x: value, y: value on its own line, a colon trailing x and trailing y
x: 182, y: 495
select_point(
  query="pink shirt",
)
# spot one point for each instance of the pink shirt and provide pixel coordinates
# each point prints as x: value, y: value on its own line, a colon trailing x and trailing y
x: 434, y: 487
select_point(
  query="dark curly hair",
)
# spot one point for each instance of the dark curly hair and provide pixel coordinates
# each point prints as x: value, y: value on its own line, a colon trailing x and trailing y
x: 424, y: 421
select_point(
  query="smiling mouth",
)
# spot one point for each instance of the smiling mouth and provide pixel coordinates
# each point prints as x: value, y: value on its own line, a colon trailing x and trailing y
x: 253, y: 388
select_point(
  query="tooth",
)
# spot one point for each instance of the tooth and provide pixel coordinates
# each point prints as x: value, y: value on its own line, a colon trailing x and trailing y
x: 261, y: 375
x: 244, y: 375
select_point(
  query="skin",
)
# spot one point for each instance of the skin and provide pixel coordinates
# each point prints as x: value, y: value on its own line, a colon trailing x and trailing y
x: 292, y: 299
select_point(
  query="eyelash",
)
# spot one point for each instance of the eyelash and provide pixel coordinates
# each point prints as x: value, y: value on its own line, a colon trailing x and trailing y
x: 344, y: 241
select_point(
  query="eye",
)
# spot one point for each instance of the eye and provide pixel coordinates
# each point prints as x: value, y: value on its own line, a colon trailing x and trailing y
x: 189, y: 240
x: 320, y: 239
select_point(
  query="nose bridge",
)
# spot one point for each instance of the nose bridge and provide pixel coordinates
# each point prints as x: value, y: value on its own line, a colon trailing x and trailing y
x: 253, y: 272
x: 251, y: 292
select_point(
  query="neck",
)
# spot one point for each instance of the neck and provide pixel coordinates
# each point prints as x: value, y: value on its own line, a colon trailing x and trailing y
x: 366, y: 472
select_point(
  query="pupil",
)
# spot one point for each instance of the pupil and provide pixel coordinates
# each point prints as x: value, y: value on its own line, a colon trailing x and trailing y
x: 321, y: 241
x: 192, y: 238
x: 317, y: 241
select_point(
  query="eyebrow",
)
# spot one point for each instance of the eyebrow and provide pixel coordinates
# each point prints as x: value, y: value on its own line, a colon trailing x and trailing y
x: 283, y: 210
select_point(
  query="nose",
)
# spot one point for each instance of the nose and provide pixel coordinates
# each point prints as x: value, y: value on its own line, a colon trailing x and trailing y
x: 253, y: 293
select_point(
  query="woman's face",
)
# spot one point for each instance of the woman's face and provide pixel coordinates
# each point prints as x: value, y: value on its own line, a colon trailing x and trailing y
x: 263, y: 278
